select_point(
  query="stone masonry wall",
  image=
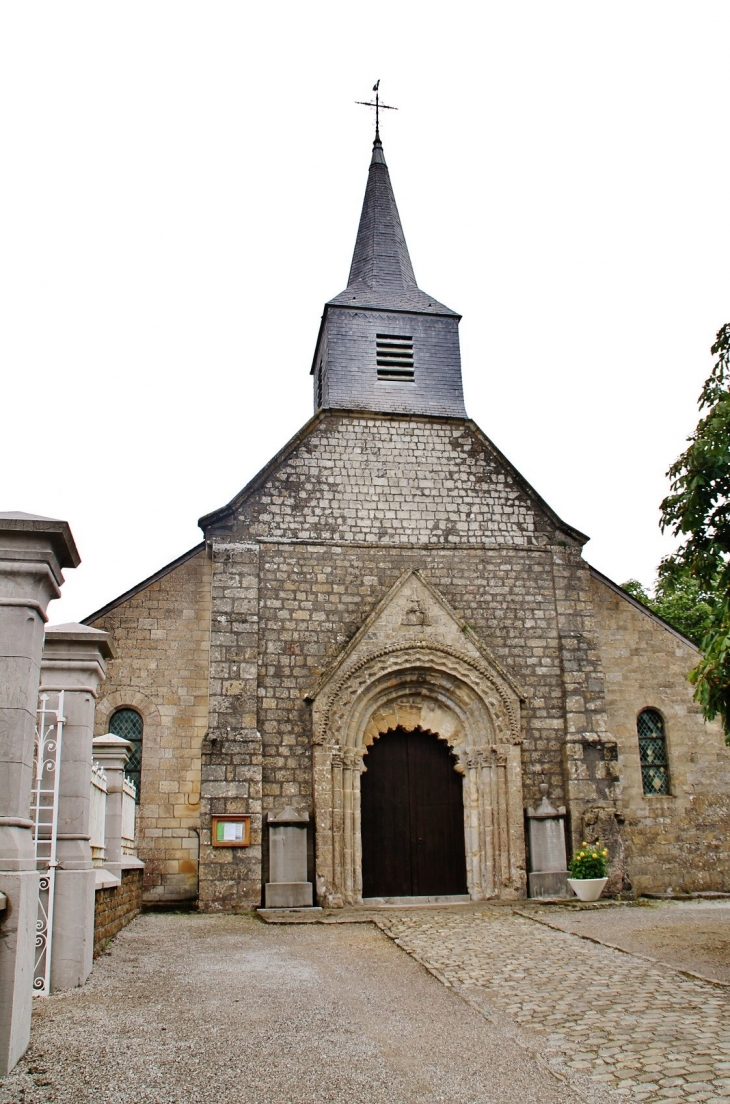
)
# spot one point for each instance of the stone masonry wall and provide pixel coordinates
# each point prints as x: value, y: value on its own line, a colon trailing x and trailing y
x: 312, y: 601
x: 312, y: 604
x: 116, y: 907
x: 231, y: 767
x: 406, y: 493
x: 389, y: 480
x: 162, y: 637
x: 679, y: 841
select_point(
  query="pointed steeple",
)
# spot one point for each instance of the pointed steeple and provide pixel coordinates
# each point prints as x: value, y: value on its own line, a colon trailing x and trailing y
x: 381, y: 274
x: 384, y: 344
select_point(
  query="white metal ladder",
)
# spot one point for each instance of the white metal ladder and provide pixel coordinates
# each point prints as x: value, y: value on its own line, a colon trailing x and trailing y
x: 44, y: 813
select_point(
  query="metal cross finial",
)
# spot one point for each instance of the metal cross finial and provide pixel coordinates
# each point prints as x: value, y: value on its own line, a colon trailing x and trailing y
x: 378, y: 106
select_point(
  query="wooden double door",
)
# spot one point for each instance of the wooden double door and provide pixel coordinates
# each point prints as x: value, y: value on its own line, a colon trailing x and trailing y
x: 412, y: 818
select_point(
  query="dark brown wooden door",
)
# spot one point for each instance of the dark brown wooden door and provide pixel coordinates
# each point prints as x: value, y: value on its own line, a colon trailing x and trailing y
x: 412, y: 818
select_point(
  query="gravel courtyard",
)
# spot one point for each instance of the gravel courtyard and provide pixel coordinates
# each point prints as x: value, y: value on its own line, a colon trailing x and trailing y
x: 194, y: 1009
x: 513, y: 1006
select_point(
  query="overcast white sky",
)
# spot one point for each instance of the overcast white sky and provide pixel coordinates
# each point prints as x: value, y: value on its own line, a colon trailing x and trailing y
x: 180, y: 194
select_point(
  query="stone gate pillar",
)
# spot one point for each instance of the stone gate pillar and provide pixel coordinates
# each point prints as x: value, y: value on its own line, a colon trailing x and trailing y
x: 112, y: 752
x: 74, y: 660
x: 33, y: 552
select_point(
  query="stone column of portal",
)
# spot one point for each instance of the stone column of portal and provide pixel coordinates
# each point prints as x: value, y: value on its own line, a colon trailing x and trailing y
x: 33, y: 552
x: 112, y: 752
x: 74, y: 660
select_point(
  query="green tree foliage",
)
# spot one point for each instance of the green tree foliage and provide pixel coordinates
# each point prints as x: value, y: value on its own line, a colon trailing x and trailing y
x: 698, y: 509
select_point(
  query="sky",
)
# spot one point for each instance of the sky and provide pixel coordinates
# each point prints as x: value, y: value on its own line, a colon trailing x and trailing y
x: 180, y: 193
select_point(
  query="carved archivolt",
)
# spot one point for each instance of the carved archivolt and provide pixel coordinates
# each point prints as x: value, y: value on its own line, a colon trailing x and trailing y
x: 335, y: 700
x: 432, y: 687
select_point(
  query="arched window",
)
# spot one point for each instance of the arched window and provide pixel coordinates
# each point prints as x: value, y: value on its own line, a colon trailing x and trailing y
x: 127, y: 723
x: 653, y: 752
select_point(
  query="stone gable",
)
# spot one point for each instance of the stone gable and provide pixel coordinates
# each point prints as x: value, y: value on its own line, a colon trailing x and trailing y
x: 162, y: 635
x: 390, y: 480
x: 677, y: 840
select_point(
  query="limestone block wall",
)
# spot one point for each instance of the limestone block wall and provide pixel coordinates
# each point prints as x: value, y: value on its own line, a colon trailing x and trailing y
x: 678, y: 841
x: 162, y: 635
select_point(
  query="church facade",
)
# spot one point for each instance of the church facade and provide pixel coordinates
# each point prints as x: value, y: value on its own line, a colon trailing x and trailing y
x: 390, y: 631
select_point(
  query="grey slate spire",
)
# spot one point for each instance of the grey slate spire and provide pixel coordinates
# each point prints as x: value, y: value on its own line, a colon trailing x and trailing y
x: 381, y: 274
x: 385, y: 345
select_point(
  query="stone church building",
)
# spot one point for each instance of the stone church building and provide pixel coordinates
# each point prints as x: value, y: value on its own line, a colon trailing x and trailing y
x: 388, y: 630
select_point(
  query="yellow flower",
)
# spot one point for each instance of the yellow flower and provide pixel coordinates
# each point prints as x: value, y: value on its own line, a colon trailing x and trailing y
x: 584, y: 844
x: 605, y: 851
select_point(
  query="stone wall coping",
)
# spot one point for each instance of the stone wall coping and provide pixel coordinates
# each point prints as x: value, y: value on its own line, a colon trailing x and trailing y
x: 105, y: 879
x: 289, y: 816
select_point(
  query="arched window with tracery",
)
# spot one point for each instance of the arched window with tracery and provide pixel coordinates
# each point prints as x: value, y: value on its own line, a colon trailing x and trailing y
x: 127, y: 723
x: 653, y: 752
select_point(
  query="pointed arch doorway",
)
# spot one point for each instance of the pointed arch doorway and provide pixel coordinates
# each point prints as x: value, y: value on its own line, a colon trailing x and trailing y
x: 412, y: 818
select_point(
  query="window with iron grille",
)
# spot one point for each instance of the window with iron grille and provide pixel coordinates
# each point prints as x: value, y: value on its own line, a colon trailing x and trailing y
x: 394, y: 354
x: 127, y: 723
x: 653, y: 752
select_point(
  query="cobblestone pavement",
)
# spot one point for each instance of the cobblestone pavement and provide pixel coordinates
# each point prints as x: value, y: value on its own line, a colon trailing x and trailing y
x: 641, y: 1030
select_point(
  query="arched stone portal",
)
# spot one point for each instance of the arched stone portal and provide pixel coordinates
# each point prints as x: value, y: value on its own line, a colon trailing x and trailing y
x: 437, y: 689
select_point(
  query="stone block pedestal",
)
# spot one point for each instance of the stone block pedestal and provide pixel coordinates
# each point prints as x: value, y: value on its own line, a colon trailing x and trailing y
x: 548, y: 862
x: 549, y: 883
x: 288, y: 887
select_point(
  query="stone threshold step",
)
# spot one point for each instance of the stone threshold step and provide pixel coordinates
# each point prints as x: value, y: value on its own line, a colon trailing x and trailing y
x: 413, y: 902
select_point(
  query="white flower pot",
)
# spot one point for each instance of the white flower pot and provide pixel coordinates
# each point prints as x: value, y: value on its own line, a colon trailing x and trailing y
x: 587, y: 889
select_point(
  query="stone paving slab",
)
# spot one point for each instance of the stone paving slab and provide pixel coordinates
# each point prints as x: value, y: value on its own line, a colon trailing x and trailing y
x: 643, y: 1031
x: 690, y: 935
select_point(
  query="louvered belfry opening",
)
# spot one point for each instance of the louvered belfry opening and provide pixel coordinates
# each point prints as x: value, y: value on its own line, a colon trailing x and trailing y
x: 394, y: 354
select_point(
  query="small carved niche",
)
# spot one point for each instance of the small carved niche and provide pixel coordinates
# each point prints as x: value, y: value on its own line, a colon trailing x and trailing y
x: 415, y: 613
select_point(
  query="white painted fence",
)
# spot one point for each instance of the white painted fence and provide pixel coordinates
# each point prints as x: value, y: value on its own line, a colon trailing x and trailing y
x: 129, y: 810
x: 97, y: 824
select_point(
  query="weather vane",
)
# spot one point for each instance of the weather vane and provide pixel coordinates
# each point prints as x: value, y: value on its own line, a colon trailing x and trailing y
x: 378, y: 107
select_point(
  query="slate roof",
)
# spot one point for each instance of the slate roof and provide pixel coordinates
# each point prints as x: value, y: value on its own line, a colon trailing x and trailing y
x: 381, y: 274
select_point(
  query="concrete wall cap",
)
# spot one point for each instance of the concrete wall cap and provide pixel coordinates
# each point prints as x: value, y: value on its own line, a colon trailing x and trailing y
x: 74, y: 633
x: 110, y: 741
x: 58, y: 533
